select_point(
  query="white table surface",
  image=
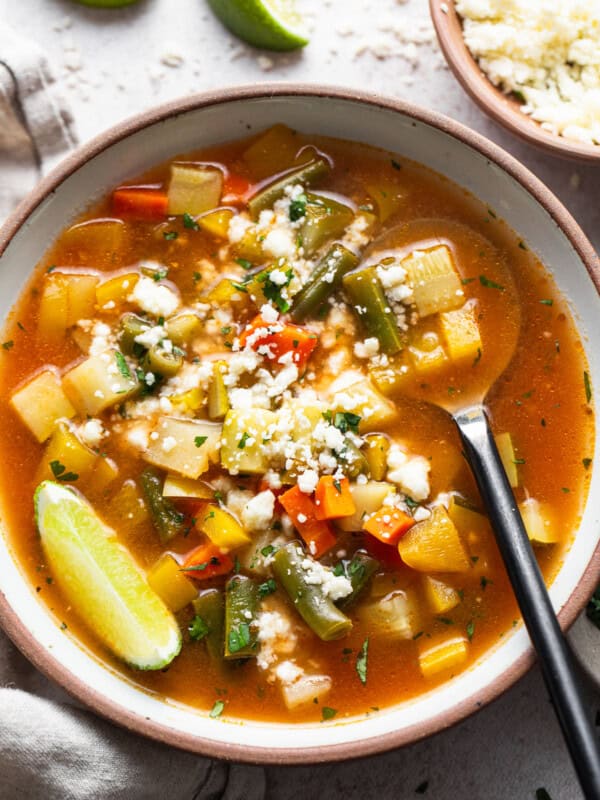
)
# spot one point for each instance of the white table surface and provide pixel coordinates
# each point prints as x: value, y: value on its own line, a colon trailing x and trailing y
x: 112, y: 64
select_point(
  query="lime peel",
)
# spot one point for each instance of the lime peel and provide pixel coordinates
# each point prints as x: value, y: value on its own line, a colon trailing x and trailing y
x: 269, y: 24
x: 102, y: 582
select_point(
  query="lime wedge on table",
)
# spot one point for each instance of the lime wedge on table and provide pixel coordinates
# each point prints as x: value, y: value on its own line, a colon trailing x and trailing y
x: 101, y: 581
x: 271, y: 24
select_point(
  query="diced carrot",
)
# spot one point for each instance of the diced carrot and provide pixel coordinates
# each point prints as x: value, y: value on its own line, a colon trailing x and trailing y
x: 142, y: 202
x: 235, y: 189
x: 206, y: 561
x: 333, y: 498
x: 317, y: 534
x: 388, y: 524
x: 281, y: 338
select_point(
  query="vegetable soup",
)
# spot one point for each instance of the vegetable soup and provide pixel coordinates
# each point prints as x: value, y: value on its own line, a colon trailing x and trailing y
x: 221, y: 472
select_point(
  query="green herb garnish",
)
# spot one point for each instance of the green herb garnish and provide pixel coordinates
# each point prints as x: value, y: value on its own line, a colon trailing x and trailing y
x: 198, y: 628
x: 199, y: 440
x: 489, y: 284
x: 361, y: 662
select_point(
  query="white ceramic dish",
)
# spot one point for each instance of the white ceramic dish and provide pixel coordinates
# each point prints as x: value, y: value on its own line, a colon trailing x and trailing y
x: 463, y: 156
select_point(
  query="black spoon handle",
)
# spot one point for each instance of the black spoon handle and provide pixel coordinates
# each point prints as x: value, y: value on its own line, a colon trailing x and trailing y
x: 554, y: 655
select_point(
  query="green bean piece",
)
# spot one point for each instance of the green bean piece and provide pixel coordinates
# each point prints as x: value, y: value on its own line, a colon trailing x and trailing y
x: 241, y: 605
x: 324, y: 218
x: 162, y: 362
x: 369, y: 303
x: 354, y: 460
x: 359, y: 570
x: 167, y: 520
x: 313, y: 605
x: 218, y: 401
x: 210, y: 606
x: 322, y: 282
x: 131, y: 326
x: 306, y: 174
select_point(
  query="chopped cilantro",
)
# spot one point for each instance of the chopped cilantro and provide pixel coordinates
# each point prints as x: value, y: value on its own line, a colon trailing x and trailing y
x: 60, y: 473
x: 328, y: 713
x: 8, y: 345
x: 199, y: 440
x: 196, y: 276
x: 190, y: 222
x: 217, y: 709
x: 361, y: 662
x: 272, y: 291
x: 338, y: 486
x: 170, y: 235
x: 470, y: 629
x: 484, y: 581
x: 477, y: 358
x: 198, y: 628
x: 338, y: 570
x: 20, y: 326
x: 395, y: 164
x: 586, y: 462
x: 466, y: 281
x: 51, y: 268
x: 244, y: 263
x: 522, y: 245
x: 549, y: 302
x: 122, y: 365
x: 346, y: 421
x: 489, y: 284
x: 445, y: 620
x: 268, y: 550
x: 298, y: 208
x: 412, y: 504
x: 238, y: 638
x: 226, y: 329
x: 242, y: 442
x: 586, y: 384
x: 267, y: 588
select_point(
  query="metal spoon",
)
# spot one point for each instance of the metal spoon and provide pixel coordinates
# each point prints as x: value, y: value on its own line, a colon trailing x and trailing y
x: 467, y: 409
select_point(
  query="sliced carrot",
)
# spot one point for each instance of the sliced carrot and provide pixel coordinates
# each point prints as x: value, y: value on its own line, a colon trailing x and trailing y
x: 280, y: 338
x: 333, y: 498
x: 142, y: 202
x: 235, y: 189
x: 206, y: 561
x: 317, y: 534
x: 388, y: 524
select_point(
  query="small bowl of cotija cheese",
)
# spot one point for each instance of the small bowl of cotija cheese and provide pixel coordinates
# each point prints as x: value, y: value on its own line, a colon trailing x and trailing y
x: 532, y: 65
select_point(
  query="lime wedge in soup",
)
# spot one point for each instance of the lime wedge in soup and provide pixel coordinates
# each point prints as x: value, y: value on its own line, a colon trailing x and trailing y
x: 271, y: 24
x: 101, y: 580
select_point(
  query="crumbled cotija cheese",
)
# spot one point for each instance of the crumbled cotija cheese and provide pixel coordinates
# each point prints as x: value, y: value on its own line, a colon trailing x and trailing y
x: 548, y: 51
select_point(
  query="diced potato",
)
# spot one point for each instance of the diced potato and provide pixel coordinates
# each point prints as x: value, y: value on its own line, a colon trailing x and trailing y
x: 461, y: 333
x: 507, y: 455
x: 65, y: 449
x: 368, y: 498
x: 176, y: 486
x: 273, y: 152
x: 434, y: 280
x: 95, y: 239
x: 116, y: 290
x: 395, y: 616
x: 376, y: 449
x: 305, y: 690
x: 442, y: 654
x: 170, y: 583
x: 434, y: 545
x: 185, y: 446
x: 41, y: 402
x: 243, y: 432
x: 128, y: 504
x: 216, y: 222
x: 194, y: 188
x: 98, y: 383
x: 81, y: 297
x: 221, y: 528
x: 182, y: 328
x: 538, y: 521
x: 54, y: 308
x: 440, y: 596
x: 362, y: 398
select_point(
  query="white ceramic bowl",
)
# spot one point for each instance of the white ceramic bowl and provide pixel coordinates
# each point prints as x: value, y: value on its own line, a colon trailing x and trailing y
x: 445, y: 146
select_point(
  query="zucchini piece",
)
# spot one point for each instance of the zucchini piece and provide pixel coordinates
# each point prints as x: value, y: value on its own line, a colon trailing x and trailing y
x: 324, y: 219
x: 442, y: 654
x: 307, y: 174
x: 176, y: 486
x: 241, y: 607
x: 506, y: 450
x: 210, y: 607
x: 185, y: 446
x: 376, y: 450
x: 100, y: 382
x: 538, y: 522
x: 170, y: 583
x: 41, y: 402
x: 369, y: 303
x: 67, y: 453
x: 182, y: 328
x: 218, y: 401
x: 117, y: 289
x: 434, y: 545
x: 461, y: 333
x: 395, y: 616
x: 168, y: 521
x: 54, y: 308
x: 242, y: 447
x: 435, y: 282
x: 362, y: 398
x: 216, y: 223
x: 194, y: 188
x: 95, y: 240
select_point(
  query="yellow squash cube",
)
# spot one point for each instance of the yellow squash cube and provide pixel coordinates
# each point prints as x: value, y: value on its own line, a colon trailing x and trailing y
x: 170, y: 583
x: 41, y: 402
x: 440, y: 596
x: 441, y: 655
x: 221, y: 528
x: 434, y: 545
x: 116, y: 290
x: 461, y: 333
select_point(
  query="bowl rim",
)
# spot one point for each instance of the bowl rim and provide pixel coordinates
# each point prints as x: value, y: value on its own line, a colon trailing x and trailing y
x: 50, y: 666
x: 492, y: 100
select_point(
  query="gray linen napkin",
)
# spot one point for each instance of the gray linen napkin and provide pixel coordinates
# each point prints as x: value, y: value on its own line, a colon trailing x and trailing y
x: 50, y: 747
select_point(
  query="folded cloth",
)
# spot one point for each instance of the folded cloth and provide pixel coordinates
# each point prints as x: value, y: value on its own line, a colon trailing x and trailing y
x: 50, y: 747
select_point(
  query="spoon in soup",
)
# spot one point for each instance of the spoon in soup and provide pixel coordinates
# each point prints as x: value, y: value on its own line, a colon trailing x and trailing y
x: 466, y: 404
